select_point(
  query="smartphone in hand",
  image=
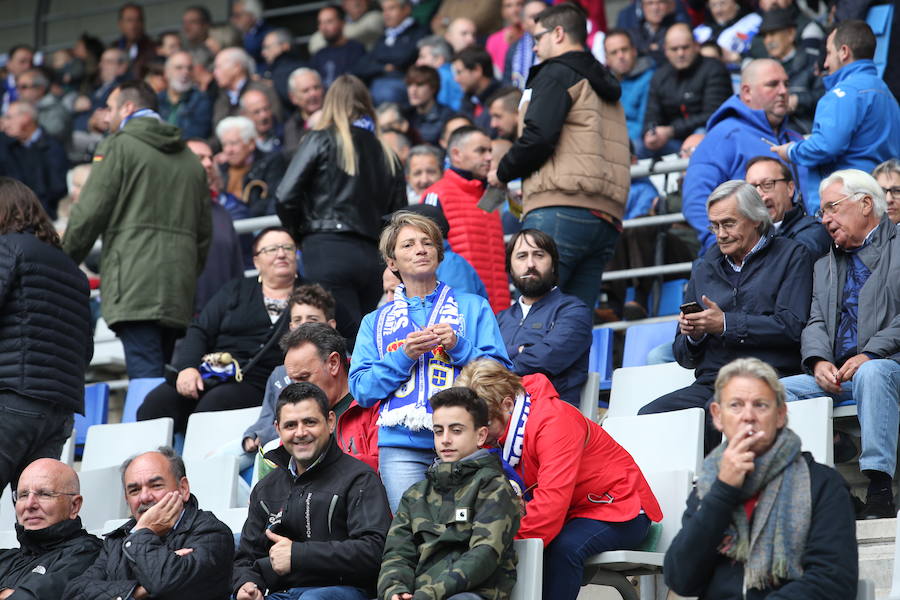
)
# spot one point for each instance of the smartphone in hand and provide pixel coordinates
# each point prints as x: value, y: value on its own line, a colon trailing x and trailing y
x: 690, y: 307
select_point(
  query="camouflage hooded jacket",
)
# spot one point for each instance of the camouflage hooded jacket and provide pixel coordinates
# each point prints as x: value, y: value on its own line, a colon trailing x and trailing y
x: 453, y: 533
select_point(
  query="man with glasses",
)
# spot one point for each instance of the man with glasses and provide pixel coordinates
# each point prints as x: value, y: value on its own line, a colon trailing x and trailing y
x: 750, y: 295
x: 851, y: 344
x: 775, y: 185
x: 53, y: 545
x: 887, y: 174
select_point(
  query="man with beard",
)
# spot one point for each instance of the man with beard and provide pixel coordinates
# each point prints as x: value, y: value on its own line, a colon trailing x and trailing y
x: 181, y: 103
x: 169, y: 548
x: 546, y: 331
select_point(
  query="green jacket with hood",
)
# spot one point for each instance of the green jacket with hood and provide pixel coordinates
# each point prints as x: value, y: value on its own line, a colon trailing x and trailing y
x: 147, y: 196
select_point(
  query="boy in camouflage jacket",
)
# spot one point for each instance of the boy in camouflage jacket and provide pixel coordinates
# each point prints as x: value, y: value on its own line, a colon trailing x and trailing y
x: 452, y: 535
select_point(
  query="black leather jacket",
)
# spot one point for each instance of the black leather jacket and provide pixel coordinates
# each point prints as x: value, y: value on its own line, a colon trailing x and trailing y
x: 317, y: 196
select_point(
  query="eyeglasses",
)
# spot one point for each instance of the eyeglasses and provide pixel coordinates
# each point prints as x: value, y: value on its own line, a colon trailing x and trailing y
x: 268, y: 250
x: 537, y: 36
x: 42, y: 495
x: 893, y: 191
x: 831, y: 207
x: 724, y: 225
x: 768, y: 185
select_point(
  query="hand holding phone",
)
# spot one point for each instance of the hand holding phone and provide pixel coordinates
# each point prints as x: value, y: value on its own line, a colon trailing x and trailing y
x: 690, y: 307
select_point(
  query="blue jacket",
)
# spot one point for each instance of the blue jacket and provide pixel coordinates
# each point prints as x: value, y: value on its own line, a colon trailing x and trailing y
x: 806, y: 231
x: 857, y: 126
x: 735, y: 134
x: 450, y: 94
x: 193, y: 115
x: 765, y: 312
x: 640, y: 198
x: 373, y: 379
x: 555, y: 339
x: 635, y: 91
x: 456, y: 272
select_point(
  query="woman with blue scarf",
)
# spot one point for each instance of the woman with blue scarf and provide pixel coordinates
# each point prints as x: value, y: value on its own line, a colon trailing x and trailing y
x: 340, y: 183
x: 413, y: 347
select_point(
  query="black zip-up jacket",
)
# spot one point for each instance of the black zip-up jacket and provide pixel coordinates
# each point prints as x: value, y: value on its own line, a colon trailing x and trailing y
x: 128, y: 560
x: 47, y: 559
x: 685, y: 100
x: 806, y: 231
x: 336, y: 513
x: 317, y: 196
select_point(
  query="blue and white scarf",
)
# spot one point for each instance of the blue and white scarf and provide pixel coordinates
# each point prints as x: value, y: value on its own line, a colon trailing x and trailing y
x: 522, y: 59
x: 392, y: 33
x: 512, y: 447
x: 365, y: 122
x: 144, y: 112
x: 433, y: 372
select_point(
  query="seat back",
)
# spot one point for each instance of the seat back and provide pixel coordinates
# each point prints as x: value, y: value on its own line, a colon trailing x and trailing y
x: 671, y: 489
x: 880, y: 19
x: 8, y: 539
x: 138, y: 389
x: 680, y: 432
x: 96, y: 410
x: 601, y: 355
x: 104, y: 498
x: 208, y: 432
x: 811, y: 420
x: 233, y: 517
x: 7, y: 511
x: 641, y: 339
x: 529, y: 570
x: 110, y: 445
x: 671, y: 298
x: 68, y: 451
x: 590, y: 394
x: 635, y: 387
x: 214, y: 481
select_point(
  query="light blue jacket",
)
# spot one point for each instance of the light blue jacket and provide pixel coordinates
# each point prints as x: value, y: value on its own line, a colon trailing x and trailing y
x: 456, y: 272
x: 373, y: 379
x: 635, y: 91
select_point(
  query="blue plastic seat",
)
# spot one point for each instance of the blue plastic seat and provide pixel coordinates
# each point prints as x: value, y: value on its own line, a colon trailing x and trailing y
x: 671, y: 298
x: 601, y: 356
x: 96, y: 410
x: 641, y: 339
x: 880, y: 19
x: 137, y: 391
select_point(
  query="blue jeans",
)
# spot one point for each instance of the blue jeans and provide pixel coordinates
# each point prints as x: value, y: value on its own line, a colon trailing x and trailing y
x: 335, y: 592
x: 876, y: 389
x: 148, y: 347
x: 579, y: 539
x: 661, y: 354
x: 400, y: 468
x: 585, y: 244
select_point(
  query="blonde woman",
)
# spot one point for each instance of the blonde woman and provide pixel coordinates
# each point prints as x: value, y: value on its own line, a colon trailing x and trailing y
x: 340, y: 183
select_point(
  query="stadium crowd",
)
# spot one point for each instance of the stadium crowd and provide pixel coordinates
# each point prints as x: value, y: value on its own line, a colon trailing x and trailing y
x: 451, y: 179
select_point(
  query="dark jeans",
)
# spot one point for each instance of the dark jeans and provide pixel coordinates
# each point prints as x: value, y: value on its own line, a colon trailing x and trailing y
x: 697, y: 395
x: 30, y: 430
x: 585, y: 245
x: 165, y: 401
x: 579, y: 539
x: 148, y: 347
x: 350, y: 268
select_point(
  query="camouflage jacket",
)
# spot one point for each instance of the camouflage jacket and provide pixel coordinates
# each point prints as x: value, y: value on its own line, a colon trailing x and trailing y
x: 453, y: 533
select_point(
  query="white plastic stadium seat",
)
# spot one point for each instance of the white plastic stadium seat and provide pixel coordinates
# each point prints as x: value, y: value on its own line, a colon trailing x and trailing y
x: 895, y: 582
x: 208, y: 432
x: 529, y: 570
x: 233, y: 517
x: 104, y: 497
x: 8, y: 539
x: 68, y: 452
x: 679, y: 432
x: 635, y: 387
x: 811, y: 420
x: 214, y: 481
x: 7, y: 511
x: 110, y: 445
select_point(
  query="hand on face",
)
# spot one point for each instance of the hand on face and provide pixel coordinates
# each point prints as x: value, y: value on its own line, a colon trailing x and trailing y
x: 162, y: 516
x: 737, y: 460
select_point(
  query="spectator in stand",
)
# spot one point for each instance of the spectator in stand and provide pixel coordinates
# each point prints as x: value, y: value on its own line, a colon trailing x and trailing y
x: 182, y: 104
x: 775, y: 185
x: 473, y: 71
x: 426, y: 115
x: 474, y: 234
x: 195, y: 23
x: 248, y: 174
x: 113, y: 71
x: 888, y: 176
x: 245, y: 318
x: 167, y: 44
x: 569, y: 463
x: 234, y: 69
x: 19, y: 59
x: 850, y: 348
x: 731, y: 25
x: 574, y: 127
x: 485, y: 15
x: 778, y: 31
x: 808, y: 37
x: 499, y: 42
x: 53, y: 545
x: 435, y: 52
x: 389, y: 117
x: 857, y: 122
x: 327, y: 542
x: 168, y: 549
x: 307, y: 95
x: 423, y: 169
x: 383, y: 67
x: 336, y: 199
x: 134, y: 41
x: 753, y: 290
x: 28, y: 154
x: 54, y: 117
x: 247, y: 17
x: 451, y: 125
x: 340, y: 52
x: 520, y: 56
x: 203, y: 72
x: 684, y: 93
x: 504, y: 110
x: 803, y: 541
x: 546, y: 331
x: 634, y: 73
x: 460, y: 34
x: 46, y: 329
x: 223, y: 36
x: 146, y: 191
x: 280, y: 61
x: 225, y: 261
x: 269, y: 131
x: 415, y: 346
x: 362, y: 23
x: 746, y: 125
x: 656, y: 18
x: 398, y: 142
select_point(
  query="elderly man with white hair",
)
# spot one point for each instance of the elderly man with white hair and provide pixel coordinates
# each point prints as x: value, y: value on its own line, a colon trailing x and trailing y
x: 233, y: 71
x: 851, y: 344
x: 307, y: 94
x: 181, y: 103
x: 748, y: 297
x: 248, y: 174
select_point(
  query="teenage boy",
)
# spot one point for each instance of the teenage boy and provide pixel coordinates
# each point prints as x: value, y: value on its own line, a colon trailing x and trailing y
x: 452, y: 534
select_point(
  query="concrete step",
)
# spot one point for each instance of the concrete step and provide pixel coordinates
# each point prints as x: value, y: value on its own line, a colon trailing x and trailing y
x: 876, y: 540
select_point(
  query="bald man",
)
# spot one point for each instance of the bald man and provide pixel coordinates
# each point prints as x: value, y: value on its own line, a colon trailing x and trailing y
x: 54, y: 547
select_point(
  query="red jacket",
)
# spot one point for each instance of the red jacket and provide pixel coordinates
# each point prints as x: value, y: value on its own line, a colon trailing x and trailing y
x: 357, y: 434
x: 476, y: 235
x: 573, y: 459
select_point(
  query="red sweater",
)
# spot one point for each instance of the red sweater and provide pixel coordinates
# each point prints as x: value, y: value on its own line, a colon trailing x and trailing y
x: 572, y: 459
x: 476, y: 235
